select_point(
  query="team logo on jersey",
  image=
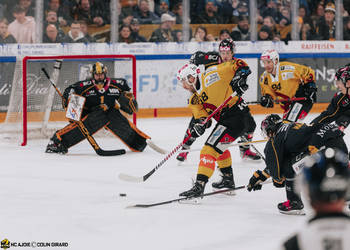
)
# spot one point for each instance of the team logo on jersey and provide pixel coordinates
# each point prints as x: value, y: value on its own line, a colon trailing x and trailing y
x: 345, y: 102
x: 114, y: 91
x: 287, y: 75
x: 266, y: 82
x: 287, y: 67
x: 212, y: 78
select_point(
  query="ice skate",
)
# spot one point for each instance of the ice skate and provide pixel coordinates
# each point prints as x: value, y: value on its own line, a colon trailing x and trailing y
x: 291, y: 207
x: 55, y: 146
x: 247, y: 154
x: 225, y: 182
x: 182, y: 156
x: 196, y: 191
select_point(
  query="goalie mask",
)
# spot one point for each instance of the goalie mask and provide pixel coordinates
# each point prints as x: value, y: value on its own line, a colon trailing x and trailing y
x: 270, y: 125
x: 99, y: 73
x: 326, y: 176
x: 188, y: 74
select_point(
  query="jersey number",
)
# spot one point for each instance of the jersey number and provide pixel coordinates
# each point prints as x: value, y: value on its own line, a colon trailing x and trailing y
x: 204, y: 97
x: 276, y: 86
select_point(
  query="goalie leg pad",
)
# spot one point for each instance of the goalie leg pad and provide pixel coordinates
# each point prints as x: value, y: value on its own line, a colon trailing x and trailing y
x: 71, y: 134
x: 120, y: 126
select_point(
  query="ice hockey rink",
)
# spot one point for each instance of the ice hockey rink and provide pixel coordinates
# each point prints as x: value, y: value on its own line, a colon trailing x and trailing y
x: 74, y: 198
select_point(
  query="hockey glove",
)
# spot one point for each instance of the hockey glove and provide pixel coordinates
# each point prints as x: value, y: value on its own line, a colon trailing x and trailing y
x: 239, y: 85
x: 310, y: 92
x: 279, y: 184
x: 128, y: 103
x: 266, y: 101
x: 197, y: 130
x: 256, y: 180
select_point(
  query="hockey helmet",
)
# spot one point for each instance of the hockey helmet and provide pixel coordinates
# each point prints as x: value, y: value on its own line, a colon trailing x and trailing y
x: 270, y: 54
x: 187, y: 71
x: 326, y: 176
x: 227, y: 45
x: 343, y: 74
x: 98, y: 68
x: 270, y: 124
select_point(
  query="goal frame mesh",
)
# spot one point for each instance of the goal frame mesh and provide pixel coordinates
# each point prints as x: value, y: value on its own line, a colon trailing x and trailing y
x: 26, y: 59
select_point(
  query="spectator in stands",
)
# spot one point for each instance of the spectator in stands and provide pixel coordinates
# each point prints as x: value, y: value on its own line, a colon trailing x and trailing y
x: 162, y: 8
x: 284, y: 17
x: 224, y: 34
x: 325, y: 28
x: 23, y: 27
x: 270, y: 22
x: 62, y: 12
x: 28, y: 7
x: 84, y: 30
x: 93, y: 14
x: 306, y: 32
x: 346, y: 35
x: 51, y: 34
x: 305, y: 18
x: 265, y: 34
x: 178, y: 13
x: 144, y: 15
x: 75, y: 35
x: 135, y: 28
x: 201, y: 35
x: 178, y: 36
x: 241, y: 31
x: 318, y: 15
x: 164, y: 32
x: 270, y: 10
x: 51, y: 18
x: 2, y: 10
x: 242, y: 10
x: 5, y: 36
x: 125, y: 34
x: 210, y: 14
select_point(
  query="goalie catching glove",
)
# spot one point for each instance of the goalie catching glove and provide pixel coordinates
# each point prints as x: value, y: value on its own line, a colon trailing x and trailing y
x: 128, y: 103
x: 256, y: 180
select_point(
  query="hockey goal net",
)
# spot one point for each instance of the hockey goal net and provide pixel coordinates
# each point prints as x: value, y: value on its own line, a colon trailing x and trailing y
x: 35, y: 109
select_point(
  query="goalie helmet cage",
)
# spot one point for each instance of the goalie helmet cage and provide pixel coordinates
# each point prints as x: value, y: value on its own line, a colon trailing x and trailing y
x: 35, y: 109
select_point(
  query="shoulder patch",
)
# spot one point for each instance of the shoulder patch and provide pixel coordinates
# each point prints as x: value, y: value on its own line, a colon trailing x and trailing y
x: 266, y: 82
x: 287, y: 67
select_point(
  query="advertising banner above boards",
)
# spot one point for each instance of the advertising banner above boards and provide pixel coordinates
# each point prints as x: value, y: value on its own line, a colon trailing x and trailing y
x: 170, y: 48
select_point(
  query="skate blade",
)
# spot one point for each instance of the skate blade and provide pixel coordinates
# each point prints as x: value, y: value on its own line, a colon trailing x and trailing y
x: 251, y: 160
x: 228, y: 193
x: 293, y: 212
x: 193, y: 201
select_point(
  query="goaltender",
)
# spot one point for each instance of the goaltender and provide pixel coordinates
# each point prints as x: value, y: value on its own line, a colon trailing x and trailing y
x: 105, y: 97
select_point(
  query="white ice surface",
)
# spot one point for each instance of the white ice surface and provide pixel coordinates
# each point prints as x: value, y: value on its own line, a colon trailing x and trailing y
x: 75, y: 198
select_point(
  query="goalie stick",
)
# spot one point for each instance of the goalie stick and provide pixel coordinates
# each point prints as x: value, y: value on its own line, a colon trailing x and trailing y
x: 185, y: 198
x: 83, y: 129
x: 130, y: 178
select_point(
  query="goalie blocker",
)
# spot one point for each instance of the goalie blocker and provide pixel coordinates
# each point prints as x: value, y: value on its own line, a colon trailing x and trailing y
x: 100, y: 111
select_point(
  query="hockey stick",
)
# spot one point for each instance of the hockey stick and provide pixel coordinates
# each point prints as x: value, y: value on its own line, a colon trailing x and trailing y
x: 130, y: 178
x: 185, y: 198
x: 293, y: 99
x: 231, y: 145
x: 255, y: 149
x: 84, y: 130
x: 156, y: 148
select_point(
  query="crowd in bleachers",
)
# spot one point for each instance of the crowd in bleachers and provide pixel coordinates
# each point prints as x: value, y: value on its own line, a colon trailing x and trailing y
x: 72, y: 20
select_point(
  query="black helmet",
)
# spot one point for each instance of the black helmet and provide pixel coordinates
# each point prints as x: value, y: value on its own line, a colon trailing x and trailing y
x: 270, y: 124
x: 98, y: 68
x: 326, y: 175
x: 227, y: 44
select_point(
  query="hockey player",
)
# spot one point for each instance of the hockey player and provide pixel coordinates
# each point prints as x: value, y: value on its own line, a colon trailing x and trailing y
x: 104, y: 97
x: 338, y: 110
x: 287, y: 80
x: 287, y: 144
x: 226, y: 54
x: 209, y: 90
x: 326, y: 181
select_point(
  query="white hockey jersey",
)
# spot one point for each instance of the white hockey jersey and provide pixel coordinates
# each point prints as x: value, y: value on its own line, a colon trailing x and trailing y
x: 327, y: 232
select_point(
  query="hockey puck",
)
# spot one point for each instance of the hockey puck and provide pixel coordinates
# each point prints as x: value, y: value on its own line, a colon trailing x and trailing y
x: 122, y: 194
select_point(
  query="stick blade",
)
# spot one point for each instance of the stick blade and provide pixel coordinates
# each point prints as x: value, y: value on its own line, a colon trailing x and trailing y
x: 129, y: 178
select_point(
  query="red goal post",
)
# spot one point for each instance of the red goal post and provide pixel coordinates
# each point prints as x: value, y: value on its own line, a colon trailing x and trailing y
x: 125, y: 63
